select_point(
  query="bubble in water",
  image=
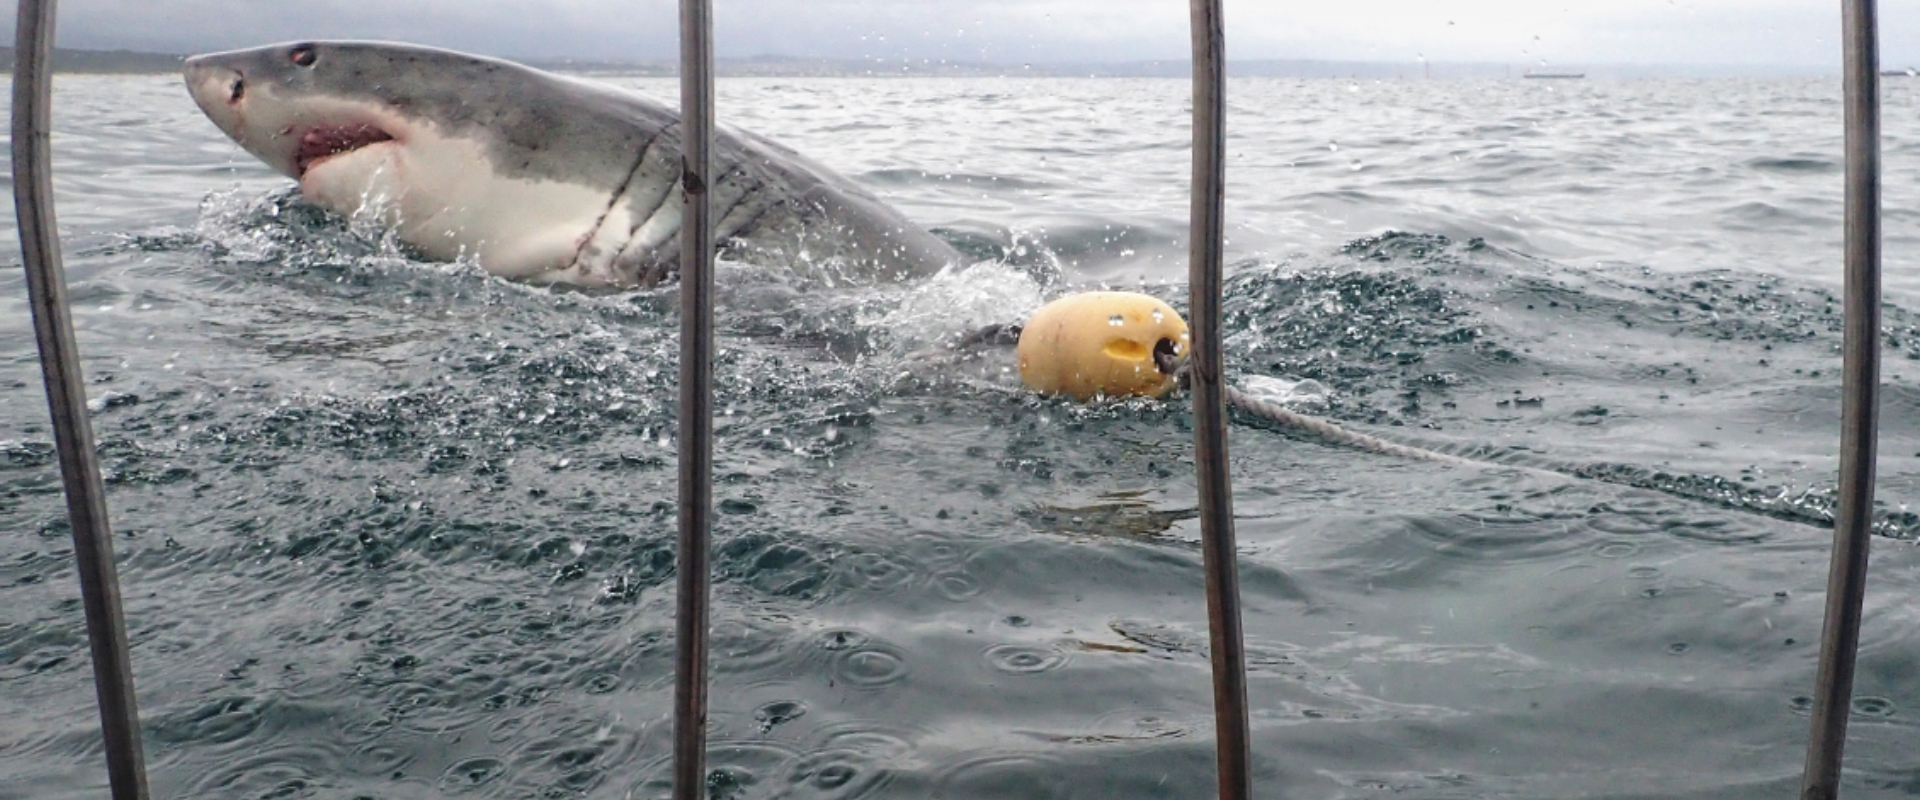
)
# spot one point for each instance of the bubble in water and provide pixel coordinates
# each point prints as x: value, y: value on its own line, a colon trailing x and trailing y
x: 1873, y: 706
x: 735, y: 770
x: 778, y: 712
x: 842, y: 639
x: 1024, y: 659
x: 875, y: 571
x: 840, y: 774
x: 956, y: 586
x: 871, y: 668
x: 471, y: 774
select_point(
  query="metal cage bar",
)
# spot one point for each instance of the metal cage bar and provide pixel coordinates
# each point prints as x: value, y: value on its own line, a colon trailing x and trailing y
x: 67, y: 398
x: 1859, y: 410
x: 1204, y: 274
x: 86, y: 501
x: 694, y: 570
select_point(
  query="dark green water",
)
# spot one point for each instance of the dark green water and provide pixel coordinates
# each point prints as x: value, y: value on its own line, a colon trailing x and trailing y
x: 399, y: 530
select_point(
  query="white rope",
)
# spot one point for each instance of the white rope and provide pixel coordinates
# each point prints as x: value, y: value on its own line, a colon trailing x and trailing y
x: 1334, y: 434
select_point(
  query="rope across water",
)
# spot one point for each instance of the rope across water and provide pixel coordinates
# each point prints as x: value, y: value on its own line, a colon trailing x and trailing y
x: 1169, y: 362
x: 1334, y: 434
x: 1121, y: 344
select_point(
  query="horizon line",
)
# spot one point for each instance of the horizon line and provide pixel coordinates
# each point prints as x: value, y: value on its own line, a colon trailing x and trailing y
x: 1137, y: 67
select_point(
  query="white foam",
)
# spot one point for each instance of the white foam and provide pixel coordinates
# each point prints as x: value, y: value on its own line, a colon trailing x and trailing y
x: 959, y: 299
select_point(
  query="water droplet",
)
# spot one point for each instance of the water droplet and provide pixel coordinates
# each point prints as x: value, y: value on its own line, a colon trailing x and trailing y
x: 842, y: 639
x: 1873, y: 707
x: 872, y: 668
x: 1025, y: 659
x: 471, y: 773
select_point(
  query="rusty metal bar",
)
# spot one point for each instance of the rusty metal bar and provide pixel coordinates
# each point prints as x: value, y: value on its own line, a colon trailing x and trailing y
x: 67, y: 398
x: 1859, y: 410
x: 1205, y: 277
x: 696, y: 404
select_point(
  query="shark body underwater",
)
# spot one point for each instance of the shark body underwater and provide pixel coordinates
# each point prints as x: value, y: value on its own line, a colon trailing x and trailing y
x: 537, y: 177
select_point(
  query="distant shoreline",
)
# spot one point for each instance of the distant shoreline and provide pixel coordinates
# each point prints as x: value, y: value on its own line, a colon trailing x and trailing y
x: 105, y: 62
x: 128, y: 62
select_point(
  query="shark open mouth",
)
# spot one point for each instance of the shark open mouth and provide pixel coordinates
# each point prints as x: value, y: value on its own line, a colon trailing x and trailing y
x: 324, y: 142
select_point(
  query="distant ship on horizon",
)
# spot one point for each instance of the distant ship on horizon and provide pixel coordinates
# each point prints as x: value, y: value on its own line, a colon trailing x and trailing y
x: 1553, y: 75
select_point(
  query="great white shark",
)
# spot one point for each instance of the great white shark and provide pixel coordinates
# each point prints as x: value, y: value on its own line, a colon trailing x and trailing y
x: 538, y: 177
x: 552, y: 179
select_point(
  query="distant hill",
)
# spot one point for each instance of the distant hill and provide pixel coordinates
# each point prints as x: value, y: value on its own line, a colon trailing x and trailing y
x: 105, y: 62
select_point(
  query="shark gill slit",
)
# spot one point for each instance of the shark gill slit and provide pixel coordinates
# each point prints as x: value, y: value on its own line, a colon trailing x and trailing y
x: 614, y: 201
x: 752, y: 192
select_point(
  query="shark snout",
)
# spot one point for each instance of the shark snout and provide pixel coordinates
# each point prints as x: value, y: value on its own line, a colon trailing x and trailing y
x: 214, y: 84
x: 240, y: 108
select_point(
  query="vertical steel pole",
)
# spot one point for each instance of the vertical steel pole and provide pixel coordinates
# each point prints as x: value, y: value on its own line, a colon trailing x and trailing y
x: 696, y: 402
x: 67, y: 398
x: 1205, y: 267
x: 1859, y: 410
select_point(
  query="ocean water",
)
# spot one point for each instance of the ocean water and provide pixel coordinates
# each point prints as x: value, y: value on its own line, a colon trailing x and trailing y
x: 395, y: 529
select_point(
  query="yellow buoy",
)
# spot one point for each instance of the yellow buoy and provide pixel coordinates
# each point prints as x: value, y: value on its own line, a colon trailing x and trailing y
x: 1099, y: 343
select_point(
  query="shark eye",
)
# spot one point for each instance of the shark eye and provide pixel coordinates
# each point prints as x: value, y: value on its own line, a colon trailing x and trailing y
x: 302, y: 55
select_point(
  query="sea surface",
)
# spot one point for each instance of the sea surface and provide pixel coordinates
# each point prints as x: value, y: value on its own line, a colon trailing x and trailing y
x: 396, y: 529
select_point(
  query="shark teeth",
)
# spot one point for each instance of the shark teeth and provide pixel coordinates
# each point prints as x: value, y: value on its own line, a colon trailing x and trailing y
x: 326, y: 141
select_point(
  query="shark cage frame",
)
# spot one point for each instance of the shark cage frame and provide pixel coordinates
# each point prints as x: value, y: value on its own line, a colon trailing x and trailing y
x: 92, y: 534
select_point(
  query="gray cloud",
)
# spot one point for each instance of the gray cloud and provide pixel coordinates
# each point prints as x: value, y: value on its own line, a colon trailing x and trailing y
x: 1780, y: 32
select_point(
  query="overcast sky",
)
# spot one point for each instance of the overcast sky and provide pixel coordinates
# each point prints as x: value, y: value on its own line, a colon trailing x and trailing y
x: 1795, y: 33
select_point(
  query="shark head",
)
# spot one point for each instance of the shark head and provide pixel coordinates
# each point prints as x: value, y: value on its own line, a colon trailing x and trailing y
x: 296, y: 106
x: 459, y: 153
x: 534, y: 175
